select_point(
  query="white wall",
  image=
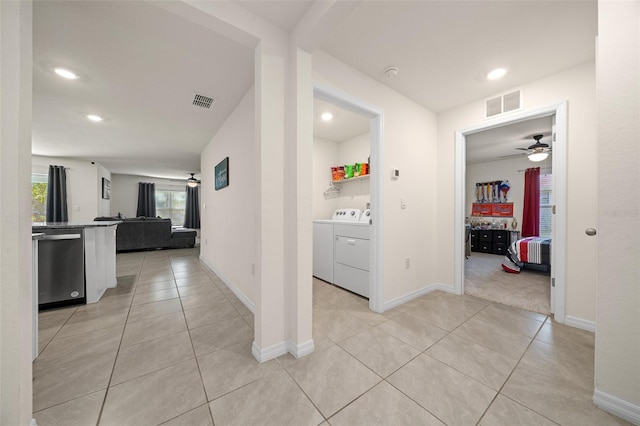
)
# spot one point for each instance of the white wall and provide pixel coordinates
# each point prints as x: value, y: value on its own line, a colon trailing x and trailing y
x: 84, y: 186
x: 354, y: 194
x: 228, y: 231
x: 617, y: 375
x: 577, y: 86
x: 500, y: 170
x: 325, y: 155
x: 124, y: 191
x: 410, y: 140
x: 15, y: 213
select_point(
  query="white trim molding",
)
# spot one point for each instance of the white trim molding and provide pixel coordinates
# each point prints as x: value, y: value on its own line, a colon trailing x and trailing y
x: 239, y: 294
x: 619, y: 407
x: 267, y: 354
x: 415, y: 294
x: 376, y: 126
x: 559, y: 110
x: 580, y: 323
x: 279, y: 349
x: 300, y: 350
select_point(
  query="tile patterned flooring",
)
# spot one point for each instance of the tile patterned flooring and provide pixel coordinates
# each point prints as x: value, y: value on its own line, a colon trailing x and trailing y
x: 172, y: 345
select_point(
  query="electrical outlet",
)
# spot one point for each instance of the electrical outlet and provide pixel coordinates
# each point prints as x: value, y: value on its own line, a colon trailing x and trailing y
x: 407, y: 263
x: 403, y: 203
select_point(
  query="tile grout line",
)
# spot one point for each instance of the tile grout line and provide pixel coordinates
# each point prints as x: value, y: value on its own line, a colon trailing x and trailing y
x: 511, y: 373
x: 106, y: 393
x: 195, y: 356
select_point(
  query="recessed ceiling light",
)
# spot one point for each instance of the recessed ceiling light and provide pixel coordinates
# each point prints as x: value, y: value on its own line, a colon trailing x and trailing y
x: 326, y: 116
x: 496, y: 73
x: 93, y: 117
x: 66, y: 73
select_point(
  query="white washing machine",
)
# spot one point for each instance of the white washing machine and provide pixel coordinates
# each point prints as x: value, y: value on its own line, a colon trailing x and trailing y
x: 323, y: 241
x: 341, y: 250
x: 323, y: 250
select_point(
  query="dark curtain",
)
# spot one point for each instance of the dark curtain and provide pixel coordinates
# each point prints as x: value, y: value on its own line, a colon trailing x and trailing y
x: 146, y: 199
x: 192, y: 209
x: 531, y: 208
x: 57, y: 195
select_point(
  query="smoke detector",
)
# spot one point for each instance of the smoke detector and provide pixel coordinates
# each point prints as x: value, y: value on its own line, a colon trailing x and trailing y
x: 391, y: 72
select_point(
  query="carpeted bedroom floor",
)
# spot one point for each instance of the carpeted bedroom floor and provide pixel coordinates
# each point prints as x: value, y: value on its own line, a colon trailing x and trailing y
x: 484, y: 278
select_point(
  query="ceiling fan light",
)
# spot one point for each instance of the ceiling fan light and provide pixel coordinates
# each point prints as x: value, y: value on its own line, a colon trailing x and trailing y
x: 538, y: 156
x: 192, y: 182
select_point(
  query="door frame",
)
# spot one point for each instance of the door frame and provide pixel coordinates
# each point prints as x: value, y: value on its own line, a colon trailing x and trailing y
x: 376, y: 131
x: 559, y: 167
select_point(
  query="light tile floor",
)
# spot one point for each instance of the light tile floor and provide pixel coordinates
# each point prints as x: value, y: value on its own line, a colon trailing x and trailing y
x: 172, y: 345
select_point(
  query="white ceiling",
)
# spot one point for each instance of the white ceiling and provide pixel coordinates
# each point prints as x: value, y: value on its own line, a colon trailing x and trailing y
x: 282, y: 13
x: 344, y: 126
x: 500, y: 142
x: 444, y: 49
x: 140, y: 67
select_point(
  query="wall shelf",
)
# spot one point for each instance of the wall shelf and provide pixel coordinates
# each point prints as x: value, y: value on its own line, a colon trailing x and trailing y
x: 363, y: 177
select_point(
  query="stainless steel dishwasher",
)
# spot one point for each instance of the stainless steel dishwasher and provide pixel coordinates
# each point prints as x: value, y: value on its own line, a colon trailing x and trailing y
x: 61, y: 278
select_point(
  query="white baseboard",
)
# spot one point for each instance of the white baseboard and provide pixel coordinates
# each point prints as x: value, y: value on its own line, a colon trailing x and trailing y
x: 415, y: 294
x: 300, y: 350
x: 266, y: 354
x: 617, y: 406
x: 239, y: 294
x: 274, y: 351
x: 33, y: 422
x: 580, y: 323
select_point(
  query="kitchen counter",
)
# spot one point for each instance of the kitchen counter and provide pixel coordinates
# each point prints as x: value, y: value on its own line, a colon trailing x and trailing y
x: 36, y: 226
x: 99, y: 253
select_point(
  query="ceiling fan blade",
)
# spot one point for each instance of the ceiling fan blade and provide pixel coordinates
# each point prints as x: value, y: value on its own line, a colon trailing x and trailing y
x: 513, y: 155
x: 523, y: 149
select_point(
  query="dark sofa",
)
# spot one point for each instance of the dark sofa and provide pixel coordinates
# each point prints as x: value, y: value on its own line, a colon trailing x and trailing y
x: 144, y: 233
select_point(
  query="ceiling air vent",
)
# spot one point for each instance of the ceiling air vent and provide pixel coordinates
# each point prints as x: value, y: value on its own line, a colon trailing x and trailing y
x: 203, y: 101
x: 504, y: 103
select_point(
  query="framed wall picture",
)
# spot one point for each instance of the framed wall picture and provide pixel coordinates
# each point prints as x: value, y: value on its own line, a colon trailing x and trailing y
x: 106, y: 189
x: 221, y: 174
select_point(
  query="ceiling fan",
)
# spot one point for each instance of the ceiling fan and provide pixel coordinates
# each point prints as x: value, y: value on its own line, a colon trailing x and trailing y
x: 538, y: 151
x: 192, y: 181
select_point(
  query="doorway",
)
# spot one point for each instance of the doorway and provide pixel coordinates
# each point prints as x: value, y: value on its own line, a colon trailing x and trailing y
x: 558, y: 114
x: 498, y: 159
x: 375, y: 116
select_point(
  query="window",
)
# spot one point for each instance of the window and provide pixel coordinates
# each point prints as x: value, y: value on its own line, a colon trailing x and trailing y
x: 171, y: 203
x: 546, y: 203
x: 39, y: 197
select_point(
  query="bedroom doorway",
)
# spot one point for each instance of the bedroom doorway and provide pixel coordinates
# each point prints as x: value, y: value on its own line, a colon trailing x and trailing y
x: 557, y: 114
x: 496, y: 159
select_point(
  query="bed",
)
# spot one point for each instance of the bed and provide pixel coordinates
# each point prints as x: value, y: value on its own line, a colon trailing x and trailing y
x: 530, y: 252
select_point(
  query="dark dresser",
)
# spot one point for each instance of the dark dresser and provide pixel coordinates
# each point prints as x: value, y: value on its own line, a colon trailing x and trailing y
x: 495, y: 241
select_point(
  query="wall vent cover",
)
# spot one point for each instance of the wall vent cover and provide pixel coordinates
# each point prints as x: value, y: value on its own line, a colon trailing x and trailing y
x: 203, y: 101
x: 502, y: 104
